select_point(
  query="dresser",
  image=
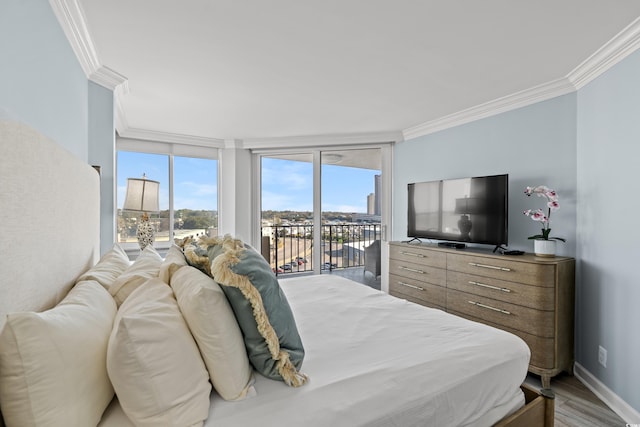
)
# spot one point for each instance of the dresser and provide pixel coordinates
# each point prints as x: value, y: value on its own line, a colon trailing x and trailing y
x: 529, y: 296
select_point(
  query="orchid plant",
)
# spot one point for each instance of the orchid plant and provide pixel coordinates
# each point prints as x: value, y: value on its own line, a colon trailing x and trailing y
x: 539, y: 214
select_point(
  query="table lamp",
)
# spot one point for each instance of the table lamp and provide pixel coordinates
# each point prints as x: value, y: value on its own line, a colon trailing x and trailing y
x: 142, y: 196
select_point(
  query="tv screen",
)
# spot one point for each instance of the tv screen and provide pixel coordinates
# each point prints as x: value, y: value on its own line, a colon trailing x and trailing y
x: 470, y: 210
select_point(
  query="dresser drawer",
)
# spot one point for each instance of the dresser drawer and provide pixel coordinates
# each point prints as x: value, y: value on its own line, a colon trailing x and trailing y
x: 535, y: 322
x: 522, y: 272
x: 421, y: 272
x: 536, y: 297
x: 416, y: 254
x: 542, y: 349
x: 420, y: 292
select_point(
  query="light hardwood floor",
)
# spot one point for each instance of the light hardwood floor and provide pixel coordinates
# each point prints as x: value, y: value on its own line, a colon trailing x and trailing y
x: 576, y: 405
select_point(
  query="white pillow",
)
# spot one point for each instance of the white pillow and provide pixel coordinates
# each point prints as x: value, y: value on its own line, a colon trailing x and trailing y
x: 216, y: 331
x: 110, y: 266
x: 53, y: 364
x: 145, y: 267
x: 174, y: 256
x: 154, y: 363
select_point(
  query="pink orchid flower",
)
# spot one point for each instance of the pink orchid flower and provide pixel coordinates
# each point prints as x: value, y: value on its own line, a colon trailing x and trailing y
x: 538, y: 214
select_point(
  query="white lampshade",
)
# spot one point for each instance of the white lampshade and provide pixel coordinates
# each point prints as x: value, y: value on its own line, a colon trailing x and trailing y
x: 142, y: 195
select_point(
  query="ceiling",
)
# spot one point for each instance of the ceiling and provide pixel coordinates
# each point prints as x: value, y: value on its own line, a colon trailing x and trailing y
x: 242, y: 70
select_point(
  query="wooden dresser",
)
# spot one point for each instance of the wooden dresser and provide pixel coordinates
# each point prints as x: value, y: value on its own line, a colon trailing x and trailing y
x: 529, y: 296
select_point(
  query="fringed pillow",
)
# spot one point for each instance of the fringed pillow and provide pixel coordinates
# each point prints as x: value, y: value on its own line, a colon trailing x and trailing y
x: 261, y: 308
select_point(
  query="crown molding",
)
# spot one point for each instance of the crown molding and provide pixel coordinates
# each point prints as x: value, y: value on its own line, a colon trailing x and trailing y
x: 120, y: 119
x: 73, y: 22
x: 491, y: 108
x: 323, y: 140
x: 233, y: 143
x: 615, y: 50
x: 173, y: 138
x: 110, y: 79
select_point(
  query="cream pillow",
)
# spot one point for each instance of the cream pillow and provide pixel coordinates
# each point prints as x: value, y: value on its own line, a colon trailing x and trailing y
x: 110, y: 266
x: 53, y: 367
x: 216, y: 331
x: 174, y: 256
x: 145, y: 267
x: 154, y: 363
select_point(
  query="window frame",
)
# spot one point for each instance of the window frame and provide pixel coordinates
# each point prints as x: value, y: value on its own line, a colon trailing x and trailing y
x: 170, y: 150
x: 316, y: 151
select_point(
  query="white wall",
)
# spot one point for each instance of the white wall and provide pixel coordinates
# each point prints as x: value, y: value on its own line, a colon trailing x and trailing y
x: 235, y: 210
x: 608, y: 297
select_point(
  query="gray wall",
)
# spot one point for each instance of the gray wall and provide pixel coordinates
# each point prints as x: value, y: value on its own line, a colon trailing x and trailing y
x: 608, y: 297
x: 102, y: 152
x: 41, y: 81
x: 535, y: 145
x: 585, y: 145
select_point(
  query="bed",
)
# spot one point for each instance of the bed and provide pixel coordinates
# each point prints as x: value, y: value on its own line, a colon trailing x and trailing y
x: 371, y: 359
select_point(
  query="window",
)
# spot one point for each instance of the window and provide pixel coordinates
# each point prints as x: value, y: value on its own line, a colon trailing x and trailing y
x: 348, y: 214
x: 188, y: 198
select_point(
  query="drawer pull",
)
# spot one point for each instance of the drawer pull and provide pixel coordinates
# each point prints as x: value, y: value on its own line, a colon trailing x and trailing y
x: 413, y: 254
x: 484, y: 285
x: 489, y: 307
x: 414, y: 270
x: 493, y: 267
x: 411, y: 286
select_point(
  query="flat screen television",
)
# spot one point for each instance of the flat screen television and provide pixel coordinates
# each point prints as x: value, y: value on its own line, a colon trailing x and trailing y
x: 466, y: 210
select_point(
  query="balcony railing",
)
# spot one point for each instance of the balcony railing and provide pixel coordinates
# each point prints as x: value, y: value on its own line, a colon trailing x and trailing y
x: 289, y: 248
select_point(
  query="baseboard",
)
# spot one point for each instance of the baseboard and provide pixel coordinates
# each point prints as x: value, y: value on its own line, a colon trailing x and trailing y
x: 612, y: 400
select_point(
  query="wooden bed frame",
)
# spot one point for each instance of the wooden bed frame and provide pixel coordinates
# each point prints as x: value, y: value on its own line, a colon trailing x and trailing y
x: 51, y: 206
x: 539, y: 410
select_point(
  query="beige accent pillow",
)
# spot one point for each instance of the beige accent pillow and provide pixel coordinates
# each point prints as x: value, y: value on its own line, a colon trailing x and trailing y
x: 110, y: 266
x: 154, y: 363
x: 174, y: 256
x: 145, y: 267
x: 216, y: 331
x: 53, y: 367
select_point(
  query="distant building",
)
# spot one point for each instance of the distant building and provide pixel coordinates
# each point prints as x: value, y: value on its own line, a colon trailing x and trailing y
x: 377, y: 191
x: 371, y: 204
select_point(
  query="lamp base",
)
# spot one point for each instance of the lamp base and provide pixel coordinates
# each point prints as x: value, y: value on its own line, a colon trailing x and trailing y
x: 145, y: 233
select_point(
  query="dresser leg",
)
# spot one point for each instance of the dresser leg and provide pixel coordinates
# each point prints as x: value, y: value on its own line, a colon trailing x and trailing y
x: 546, y: 381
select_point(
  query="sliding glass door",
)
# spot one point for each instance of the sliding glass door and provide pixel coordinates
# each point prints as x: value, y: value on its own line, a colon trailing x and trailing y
x: 321, y: 210
x: 287, y: 212
x: 351, y: 217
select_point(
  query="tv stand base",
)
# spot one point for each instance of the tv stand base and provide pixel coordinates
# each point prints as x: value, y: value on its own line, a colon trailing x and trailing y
x: 453, y: 245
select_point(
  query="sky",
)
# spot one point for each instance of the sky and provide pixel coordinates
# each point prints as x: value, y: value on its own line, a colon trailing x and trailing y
x: 287, y: 185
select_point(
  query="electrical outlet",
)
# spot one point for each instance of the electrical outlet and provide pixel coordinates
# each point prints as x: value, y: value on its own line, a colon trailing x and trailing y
x: 602, y: 356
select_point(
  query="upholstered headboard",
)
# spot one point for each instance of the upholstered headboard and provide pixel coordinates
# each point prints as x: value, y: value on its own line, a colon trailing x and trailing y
x: 49, y: 219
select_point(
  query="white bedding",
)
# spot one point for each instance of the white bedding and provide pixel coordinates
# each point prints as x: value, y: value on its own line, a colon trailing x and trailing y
x: 375, y: 360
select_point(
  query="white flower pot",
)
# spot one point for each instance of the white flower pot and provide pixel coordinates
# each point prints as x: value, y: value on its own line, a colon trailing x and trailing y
x: 544, y: 248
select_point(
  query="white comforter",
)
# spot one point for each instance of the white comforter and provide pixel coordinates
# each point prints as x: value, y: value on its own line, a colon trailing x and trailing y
x: 375, y: 360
